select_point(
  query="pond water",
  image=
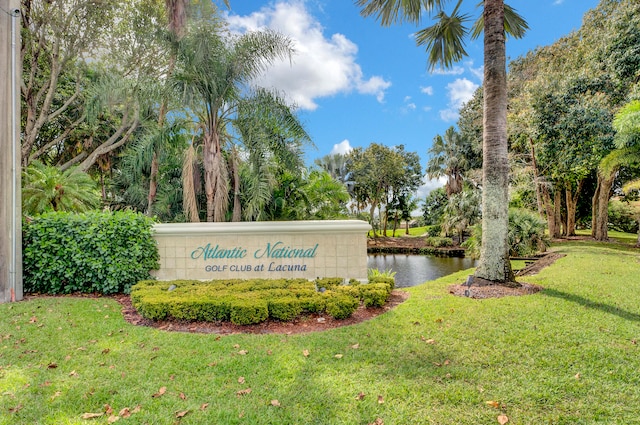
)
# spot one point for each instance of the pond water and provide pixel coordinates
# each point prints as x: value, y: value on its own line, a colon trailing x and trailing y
x: 413, y: 270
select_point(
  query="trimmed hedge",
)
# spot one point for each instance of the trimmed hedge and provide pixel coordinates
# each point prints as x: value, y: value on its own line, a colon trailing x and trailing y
x: 92, y: 252
x: 254, y: 301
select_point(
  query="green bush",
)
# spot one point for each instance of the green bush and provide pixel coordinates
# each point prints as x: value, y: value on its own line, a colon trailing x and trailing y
x: 285, y: 309
x: 623, y: 217
x: 388, y: 280
x: 439, y: 242
x: 373, y: 295
x: 91, y: 252
x: 254, y: 301
x: 526, y: 235
x: 248, y: 311
x: 434, y: 231
x: 329, y: 282
x: 340, y: 306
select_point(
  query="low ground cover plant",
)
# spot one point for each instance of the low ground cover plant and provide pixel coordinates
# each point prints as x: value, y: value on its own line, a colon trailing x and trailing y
x: 245, y: 302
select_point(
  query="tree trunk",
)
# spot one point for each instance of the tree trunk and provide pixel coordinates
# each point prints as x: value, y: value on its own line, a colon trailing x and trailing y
x: 572, y: 204
x: 153, y: 183
x: 557, y: 209
x: 235, y: 172
x: 600, y: 205
x: 372, y: 213
x: 494, y: 265
x: 386, y: 221
x: 554, y: 231
x: 536, y: 179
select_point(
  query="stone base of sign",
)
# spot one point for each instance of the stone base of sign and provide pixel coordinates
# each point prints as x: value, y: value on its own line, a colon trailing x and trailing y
x: 281, y: 249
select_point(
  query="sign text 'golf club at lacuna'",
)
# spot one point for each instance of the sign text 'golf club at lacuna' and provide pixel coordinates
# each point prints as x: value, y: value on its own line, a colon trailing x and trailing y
x: 304, y: 249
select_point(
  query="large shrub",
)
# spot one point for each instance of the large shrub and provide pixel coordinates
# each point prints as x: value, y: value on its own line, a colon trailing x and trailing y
x: 526, y: 235
x: 91, y: 252
x: 623, y: 217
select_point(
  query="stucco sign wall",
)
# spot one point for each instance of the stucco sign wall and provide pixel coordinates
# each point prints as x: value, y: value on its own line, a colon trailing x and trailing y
x: 291, y: 249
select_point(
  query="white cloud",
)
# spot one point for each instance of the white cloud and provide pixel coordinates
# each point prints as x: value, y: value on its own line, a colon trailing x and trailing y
x: 459, y: 92
x: 322, y: 66
x: 408, y: 105
x: 428, y: 185
x: 456, y: 70
x: 427, y: 90
x: 477, y: 72
x: 342, y: 148
x: 558, y: 2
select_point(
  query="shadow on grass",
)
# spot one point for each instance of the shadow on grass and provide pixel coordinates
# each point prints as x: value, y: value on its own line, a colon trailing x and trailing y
x: 627, y: 315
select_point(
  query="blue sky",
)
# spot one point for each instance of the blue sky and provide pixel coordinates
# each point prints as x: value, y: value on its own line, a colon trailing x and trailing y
x: 356, y: 82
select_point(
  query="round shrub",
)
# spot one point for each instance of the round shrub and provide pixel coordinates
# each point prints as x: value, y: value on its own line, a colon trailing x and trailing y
x: 341, y: 306
x: 285, y: 309
x: 248, y: 311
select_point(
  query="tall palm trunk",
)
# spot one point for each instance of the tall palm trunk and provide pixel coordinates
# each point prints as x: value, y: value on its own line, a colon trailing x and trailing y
x: 215, y: 178
x: 494, y: 265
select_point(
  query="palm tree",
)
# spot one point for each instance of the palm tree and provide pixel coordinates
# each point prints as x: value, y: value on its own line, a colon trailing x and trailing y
x: 334, y: 164
x: 271, y: 138
x: 46, y: 188
x: 212, y: 73
x: 445, y: 43
x: 448, y: 159
x: 627, y: 139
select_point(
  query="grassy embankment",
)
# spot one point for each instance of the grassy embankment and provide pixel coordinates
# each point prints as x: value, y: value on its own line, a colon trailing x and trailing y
x: 567, y: 355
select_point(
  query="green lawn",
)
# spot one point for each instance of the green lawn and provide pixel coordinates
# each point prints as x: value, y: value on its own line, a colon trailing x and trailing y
x: 413, y: 231
x: 567, y: 355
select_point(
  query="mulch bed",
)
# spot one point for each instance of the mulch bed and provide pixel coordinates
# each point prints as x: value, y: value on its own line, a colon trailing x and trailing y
x: 315, y: 323
x: 309, y: 323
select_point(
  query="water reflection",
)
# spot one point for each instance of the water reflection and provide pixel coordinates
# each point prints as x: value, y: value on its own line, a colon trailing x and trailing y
x: 413, y: 270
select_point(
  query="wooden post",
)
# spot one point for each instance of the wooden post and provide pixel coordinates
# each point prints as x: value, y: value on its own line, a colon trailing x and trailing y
x: 10, y: 172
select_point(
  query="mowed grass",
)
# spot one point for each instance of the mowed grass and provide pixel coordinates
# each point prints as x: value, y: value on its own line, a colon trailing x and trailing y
x: 567, y: 355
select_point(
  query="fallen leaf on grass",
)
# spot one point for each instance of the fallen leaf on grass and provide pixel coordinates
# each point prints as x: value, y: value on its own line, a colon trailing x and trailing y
x: 182, y: 396
x: 113, y: 419
x: 204, y: 406
x: 241, y: 380
x: 91, y: 415
x: 242, y: 352
x: 52, y: 365
x: 73, y: 373
x: 380, y: 400
x: 243, y: 392
x: 106, y: 351
x: 124, y: 413
x: 136, y: 409
x: 56, y: 395
x: 275, y: 403
x: 355, y: 346
x: 503, y: 419
x: 108, y: 409
x: 577, y: 376
x: 305, y: 353
x: 338, y: 356
x: 378, y: 421
x: 160, y: 392
x: 182, y: 413
x: 15, y: 409
x: 493, y: 403
x: 360, y: 396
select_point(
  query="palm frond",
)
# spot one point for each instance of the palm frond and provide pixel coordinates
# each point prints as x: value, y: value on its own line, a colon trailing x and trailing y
x: 444, y: 40
x: 514, y: 23
x: 396, y: 11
